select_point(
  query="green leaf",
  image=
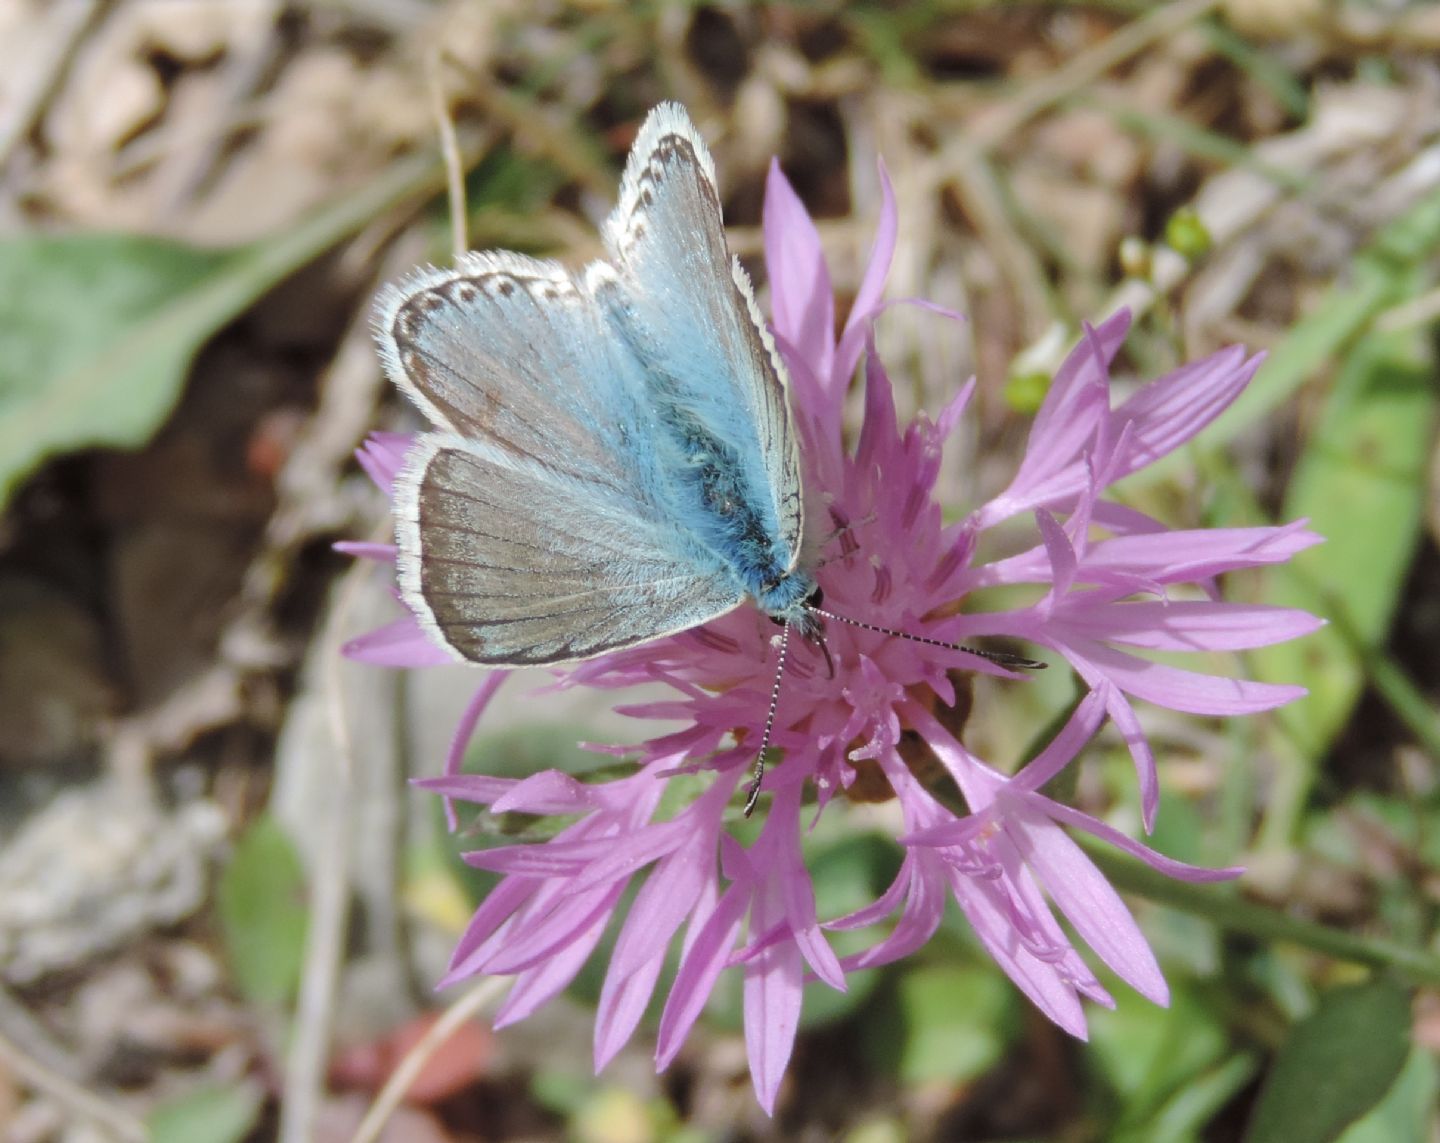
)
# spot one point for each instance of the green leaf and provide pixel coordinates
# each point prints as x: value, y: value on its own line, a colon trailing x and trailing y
x: 98, y: 331
x: 1147, y: 1053
x: 1407, y: 1110
x: 1336, y: 1065
x: 212, y: 1114
x: 1186, y: 1113
x: 263, y: 915
x: 1361, y: 484
x: 957, y: 1021
x: 86, y: 355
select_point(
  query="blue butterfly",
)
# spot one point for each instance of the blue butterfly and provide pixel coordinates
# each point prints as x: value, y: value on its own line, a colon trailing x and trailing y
x: 613, y: 457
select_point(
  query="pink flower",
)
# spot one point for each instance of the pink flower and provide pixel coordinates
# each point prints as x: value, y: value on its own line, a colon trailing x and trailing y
x: 892, y: 562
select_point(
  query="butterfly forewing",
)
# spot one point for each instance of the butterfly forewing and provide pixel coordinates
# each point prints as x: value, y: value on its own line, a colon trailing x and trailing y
x: 512, y: 350
x: 684, y: 305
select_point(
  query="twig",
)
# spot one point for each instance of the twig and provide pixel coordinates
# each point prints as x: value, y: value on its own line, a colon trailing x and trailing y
x: 29, y: 87
x: 250, y: 52
x: 964, y: 162
x: 348, y: 395
x: 979, y: 186
x: 1230, y: 203
x: 450, y: 149
x: 1082, y: 70
x: 329, y: 900
x: 26, y: 1033
x: 82, y: 1103
x: 467, y: 1007
x: 536, y: 133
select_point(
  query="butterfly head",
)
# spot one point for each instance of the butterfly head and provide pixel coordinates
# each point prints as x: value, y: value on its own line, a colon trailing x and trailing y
x: 792, y: 602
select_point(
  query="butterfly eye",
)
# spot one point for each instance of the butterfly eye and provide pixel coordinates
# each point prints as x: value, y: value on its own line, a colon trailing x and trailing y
x: 815, y: 599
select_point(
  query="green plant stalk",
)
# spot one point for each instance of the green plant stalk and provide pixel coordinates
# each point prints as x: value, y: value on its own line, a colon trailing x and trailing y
x: 1223, y: 907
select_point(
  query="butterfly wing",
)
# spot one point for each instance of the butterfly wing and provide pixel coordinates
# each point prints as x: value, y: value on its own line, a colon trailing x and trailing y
x: 507, y: 560
x: 510, y: 349
x: 685, y: 307
x: 533, y: 528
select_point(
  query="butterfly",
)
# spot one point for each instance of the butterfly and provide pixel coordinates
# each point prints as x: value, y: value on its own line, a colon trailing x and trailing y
x: 613, y: 458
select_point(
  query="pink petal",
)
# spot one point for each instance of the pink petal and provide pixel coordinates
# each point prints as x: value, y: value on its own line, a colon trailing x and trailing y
x: 1039, y: 981
x: 1186, y: 555
x: 802, y: 302
x: 382, y: 456
x: 568, y: 922
x: 547, y: 859
x: 954, y: 409
x: 1190, y: 625
x: 1122, y: 714
x: 1081, y: 892
x: 699, y: 970
x: 877, y: 428
x: 1078, y: 398
x: 627, y: 856
x: 365, y: 550
x: 536, y: 987
x: 623, y: 1000
x: 397, y: 644
x: 1182, y: 690
x: 880, y: 908
x: 1170, y: 411
x: 547, y: 792
x: 481, y: 788
x: 1063, y: 560
x: 465, y: 730
x: 1061, y: 750
x: 663, y: 903
x: 872, y: 285
x: 499, y: 905
x: 923, y: 912
x: 800, y: 912
x: 1124, y: 520
x: 1179, y: 870
x: 773, y: 985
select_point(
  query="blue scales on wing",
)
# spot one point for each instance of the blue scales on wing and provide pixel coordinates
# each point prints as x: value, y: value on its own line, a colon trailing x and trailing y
x: 684, y: 307
x: 535, y: 526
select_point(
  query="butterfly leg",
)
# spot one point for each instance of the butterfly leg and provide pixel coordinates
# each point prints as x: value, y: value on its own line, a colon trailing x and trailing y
x: 752, y: 791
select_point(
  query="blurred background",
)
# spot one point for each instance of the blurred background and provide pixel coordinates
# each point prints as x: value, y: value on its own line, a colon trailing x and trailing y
x: 198, y: 200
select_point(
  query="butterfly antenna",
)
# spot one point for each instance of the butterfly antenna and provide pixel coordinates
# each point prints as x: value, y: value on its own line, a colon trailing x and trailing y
x: 999, y: 658
x: 752, y: 791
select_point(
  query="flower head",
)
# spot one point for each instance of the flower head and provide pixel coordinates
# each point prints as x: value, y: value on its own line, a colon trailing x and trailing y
x: 1102, y: 578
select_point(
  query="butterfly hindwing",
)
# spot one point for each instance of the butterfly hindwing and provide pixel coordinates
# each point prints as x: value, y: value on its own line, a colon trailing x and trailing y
x: 509, y: 561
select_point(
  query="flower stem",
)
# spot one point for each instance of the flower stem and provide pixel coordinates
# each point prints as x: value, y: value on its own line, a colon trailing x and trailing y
x: 1224, y: 907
